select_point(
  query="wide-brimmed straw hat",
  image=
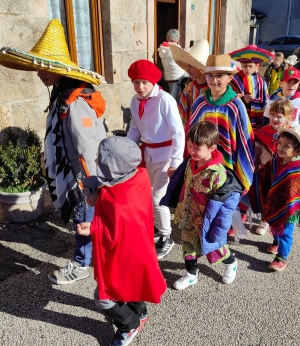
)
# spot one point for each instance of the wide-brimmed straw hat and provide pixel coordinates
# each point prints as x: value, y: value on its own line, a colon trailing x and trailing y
x: 295, y: 131
x: 51, y: 54
x: 220, y: 63
x: 292, y: 60
x: 196, y: 56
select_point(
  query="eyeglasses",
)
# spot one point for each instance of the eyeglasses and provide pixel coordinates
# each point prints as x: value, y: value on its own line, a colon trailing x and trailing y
x: 218, y: 76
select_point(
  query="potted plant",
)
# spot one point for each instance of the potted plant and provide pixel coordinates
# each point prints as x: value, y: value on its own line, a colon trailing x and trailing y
x: 22, y: 187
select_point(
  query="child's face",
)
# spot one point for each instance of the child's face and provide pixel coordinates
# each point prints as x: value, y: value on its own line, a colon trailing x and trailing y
x: 248, y: 68
x: 142, y: 87
x: 289, y: 87
x: 48, y: 78
x: 193, y: 72
x: 277, y: 61
x: 217, y: 82
x: 202, y: 153
x: 277, y: 120
x: 285, y: 149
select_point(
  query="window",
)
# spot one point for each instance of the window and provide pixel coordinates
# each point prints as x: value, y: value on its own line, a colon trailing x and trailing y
x: 279, y: 40
x: 293, y: 40
x: 81, y: 20
x: 214, y: 26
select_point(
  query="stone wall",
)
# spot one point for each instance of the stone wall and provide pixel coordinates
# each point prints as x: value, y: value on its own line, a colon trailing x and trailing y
x: 128, y: 34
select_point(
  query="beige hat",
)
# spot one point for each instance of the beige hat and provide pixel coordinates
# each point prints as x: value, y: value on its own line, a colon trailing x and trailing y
x: 295, y: 131
x: 196, y: 56
x: 220, y: 63
x: 292, y: 60
x: 51, y: 54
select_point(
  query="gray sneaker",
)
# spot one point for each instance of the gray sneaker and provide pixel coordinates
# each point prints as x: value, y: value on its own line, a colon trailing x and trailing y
x: 71, y: 273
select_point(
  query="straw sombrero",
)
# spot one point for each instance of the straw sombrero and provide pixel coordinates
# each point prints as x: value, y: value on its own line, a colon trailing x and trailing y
x: 292, y: 60
x: 51, y: 54
x: 251, y: 53
x: 196, y: 56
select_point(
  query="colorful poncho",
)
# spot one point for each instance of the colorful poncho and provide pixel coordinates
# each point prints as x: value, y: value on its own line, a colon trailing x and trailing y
x: 257, y: 88
x: 235, y: 131
x: 276, y: 191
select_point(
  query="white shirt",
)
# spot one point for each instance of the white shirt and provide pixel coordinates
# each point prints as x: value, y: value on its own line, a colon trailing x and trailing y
x: 296, y: 110
x: 160, y: 122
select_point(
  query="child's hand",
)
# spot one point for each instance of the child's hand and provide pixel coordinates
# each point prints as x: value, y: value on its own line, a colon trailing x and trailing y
x: 84, y: 228
x: 171, y: 171
x: 91, y: 200
x: 247, y: 98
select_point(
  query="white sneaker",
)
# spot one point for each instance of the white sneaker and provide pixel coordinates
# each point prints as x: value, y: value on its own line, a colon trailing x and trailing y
x: 230, y: 273
x: 186, y: 281
x: 262, y: 228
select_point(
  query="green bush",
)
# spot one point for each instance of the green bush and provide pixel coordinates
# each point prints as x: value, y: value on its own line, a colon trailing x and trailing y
x: 20, y: 160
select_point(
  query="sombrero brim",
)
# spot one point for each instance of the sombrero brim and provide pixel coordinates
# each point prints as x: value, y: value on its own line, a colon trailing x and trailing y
x: 183, y: 59
x: 257, y: 55
x: 18, y: 60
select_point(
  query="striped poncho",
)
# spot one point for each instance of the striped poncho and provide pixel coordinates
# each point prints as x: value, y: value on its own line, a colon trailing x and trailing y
x: 235, y: 132
x: 188, y: 97
x: 276, y: 191
x: 257, y: 88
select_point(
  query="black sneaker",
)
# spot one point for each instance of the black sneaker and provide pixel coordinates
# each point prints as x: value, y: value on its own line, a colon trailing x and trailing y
x: 163, y: 247
x: 156, y: 234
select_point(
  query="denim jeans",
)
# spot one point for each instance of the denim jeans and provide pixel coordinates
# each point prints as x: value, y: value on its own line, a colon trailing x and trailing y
x: 285, y: 240
x: 83, y: 250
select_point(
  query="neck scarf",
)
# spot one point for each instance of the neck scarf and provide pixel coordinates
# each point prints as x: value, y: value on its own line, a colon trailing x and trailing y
x: 142, y: 106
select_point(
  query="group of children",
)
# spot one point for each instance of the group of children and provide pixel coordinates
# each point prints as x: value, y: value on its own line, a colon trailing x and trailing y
x: 141, y: 176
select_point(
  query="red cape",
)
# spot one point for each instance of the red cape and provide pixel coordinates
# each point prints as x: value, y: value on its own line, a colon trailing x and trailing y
x: 125, y: 263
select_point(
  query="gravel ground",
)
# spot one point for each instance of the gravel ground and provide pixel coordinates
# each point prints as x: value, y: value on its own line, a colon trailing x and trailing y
x: 260, y: 308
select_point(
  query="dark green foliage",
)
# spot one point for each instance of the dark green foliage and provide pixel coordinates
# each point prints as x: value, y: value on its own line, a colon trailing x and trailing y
x: 20, y: 160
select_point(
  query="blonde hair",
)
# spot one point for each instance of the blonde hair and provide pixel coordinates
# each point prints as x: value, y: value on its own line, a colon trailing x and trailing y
x: 284, y: 107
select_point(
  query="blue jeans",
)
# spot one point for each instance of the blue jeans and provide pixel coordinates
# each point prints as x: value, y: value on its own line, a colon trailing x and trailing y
x: 83, y: 250
x: 285, y: 240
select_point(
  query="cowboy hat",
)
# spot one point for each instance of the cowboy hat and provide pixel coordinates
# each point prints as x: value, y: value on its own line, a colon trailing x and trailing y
x: 196, y: 56
x: 50, y: 54
x: 295, y: 131
x: 220, y: 63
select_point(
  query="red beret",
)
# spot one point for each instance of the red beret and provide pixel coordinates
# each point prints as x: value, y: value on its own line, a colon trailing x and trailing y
x: 144, y: 69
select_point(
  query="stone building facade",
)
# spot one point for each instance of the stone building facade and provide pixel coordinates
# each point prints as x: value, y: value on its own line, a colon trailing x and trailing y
x: 131, y: 30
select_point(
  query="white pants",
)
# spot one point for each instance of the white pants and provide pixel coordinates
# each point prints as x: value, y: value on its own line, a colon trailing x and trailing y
x: 159, y: 182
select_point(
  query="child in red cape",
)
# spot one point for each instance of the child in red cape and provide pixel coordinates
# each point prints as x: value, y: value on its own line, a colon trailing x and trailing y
x: 125, y: 263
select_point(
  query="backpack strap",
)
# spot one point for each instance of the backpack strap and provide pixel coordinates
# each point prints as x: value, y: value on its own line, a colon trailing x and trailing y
x: 94, y: 99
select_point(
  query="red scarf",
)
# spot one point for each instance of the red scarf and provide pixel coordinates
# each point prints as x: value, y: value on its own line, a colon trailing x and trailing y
x: 142, y: 106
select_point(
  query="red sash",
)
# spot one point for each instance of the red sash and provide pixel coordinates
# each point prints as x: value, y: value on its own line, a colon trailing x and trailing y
x: 152, y: 145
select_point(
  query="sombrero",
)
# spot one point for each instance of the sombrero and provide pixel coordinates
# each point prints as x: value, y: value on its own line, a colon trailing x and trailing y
x: 251, y: 53
x: 220, y: 63
x: 51, y: 54
x: 196, y: 56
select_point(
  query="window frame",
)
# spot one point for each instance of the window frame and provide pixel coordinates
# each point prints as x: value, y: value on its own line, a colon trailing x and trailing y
x: 97, y: 38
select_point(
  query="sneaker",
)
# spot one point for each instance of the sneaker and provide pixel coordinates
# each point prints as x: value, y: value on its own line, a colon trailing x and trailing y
x: 143, y: 320
x: 273, y: 249
x: 187, y: 280
x: 278, y: 265
x: 262, y: 228
x: 71, y: 273
x: 156, y: 234
x: 122, y: 339
x: 230, y: 273
x: 163, y: 246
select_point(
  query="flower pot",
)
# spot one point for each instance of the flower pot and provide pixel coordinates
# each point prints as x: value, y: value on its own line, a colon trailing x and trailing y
x: 23, y: 206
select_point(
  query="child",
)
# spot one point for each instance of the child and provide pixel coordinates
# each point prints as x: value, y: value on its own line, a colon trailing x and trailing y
x: 172, y: 72
x: 289, y: 82
x: 253, y: 90
x: 266, y: 140
x: 193, y: 62
x: 273, y: 72
x: 221, y: 105
x: 156, y: 123
x: 209, y: 195
x: 126, y: 274
x: 279, y: 182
